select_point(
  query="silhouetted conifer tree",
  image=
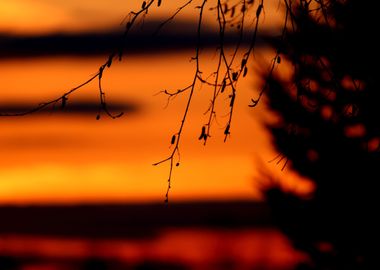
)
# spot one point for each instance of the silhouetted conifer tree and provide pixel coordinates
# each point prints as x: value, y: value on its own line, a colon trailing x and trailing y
x: 330, y: 132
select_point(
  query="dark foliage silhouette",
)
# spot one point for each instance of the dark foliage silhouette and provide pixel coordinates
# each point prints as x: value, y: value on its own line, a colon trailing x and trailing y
x: 329, y: 131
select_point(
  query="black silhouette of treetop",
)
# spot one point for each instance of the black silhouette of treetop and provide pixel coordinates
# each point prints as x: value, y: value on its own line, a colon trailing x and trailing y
x: 330, y: 132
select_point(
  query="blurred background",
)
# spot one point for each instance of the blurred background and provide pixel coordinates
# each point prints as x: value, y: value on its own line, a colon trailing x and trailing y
x: 77, y: 193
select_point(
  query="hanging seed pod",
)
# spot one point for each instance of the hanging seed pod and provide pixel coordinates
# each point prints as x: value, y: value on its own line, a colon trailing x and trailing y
x: 234, y: 76
x: 110, y: 59
x: 232, y: 11
x: 177, y: 164
x: 245, y: 71
x: 227, y: 130
x: 278, y: 59
x: 203, y: 133
x: 173, y: 140
x: 143, y: 5
x: 225, y: 8
x: 98, y: 117
x: 259, y: 9
x: 109, y: 62
x: 63, y: 102
x: 223, y: 86
x: 243, y: 8
x: 243, y: 63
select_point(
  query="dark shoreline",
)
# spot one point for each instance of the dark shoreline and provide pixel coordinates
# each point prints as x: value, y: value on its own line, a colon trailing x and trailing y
x: 130, y: 220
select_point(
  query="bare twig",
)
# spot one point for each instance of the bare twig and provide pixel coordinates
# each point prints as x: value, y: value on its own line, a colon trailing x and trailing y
x: 176, y: 138
x: 107, y: 64
x: 171, y: 18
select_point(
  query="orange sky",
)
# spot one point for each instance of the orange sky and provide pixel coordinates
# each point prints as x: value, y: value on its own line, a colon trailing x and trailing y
x: 55, y: 15
x: 41, y: 16
x: 63, y: 159
x: 72, y: 15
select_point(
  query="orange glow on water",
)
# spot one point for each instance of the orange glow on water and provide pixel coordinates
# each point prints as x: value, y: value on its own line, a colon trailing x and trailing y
x: 196, y: 248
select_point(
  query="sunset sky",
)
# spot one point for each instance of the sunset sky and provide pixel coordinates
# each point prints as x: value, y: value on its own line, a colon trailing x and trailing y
x: 53, y: 157
x: 41, y: 16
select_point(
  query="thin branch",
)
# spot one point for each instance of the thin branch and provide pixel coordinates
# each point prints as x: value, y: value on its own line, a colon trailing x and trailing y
x: 44, y: 105
x: 107, y: 64
x: 176, y: 138
x: 173, y: 95
x: 217, y: 88
x: 172, y: 17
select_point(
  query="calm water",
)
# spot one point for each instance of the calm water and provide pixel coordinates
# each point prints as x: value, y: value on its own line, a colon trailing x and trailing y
x: 190, y: 248
x: 217, y: 235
